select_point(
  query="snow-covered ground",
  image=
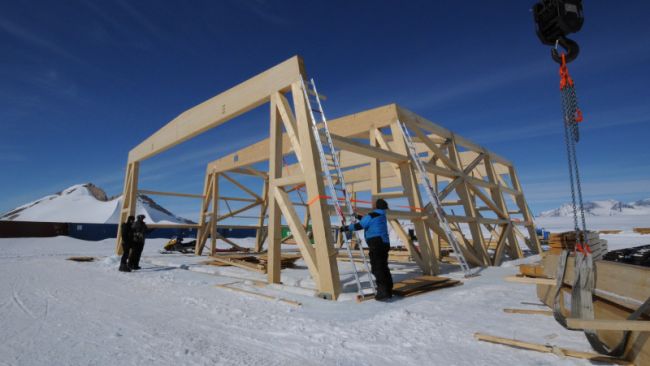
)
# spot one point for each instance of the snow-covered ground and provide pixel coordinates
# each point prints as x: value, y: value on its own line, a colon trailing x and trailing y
x: 58, y: 312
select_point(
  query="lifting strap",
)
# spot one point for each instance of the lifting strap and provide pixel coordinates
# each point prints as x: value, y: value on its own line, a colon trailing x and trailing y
x: 584, y: 282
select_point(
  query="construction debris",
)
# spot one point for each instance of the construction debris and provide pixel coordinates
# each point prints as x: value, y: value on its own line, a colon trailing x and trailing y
x: 264, y: 296
x: 528, y: 311
x: 422, y: 284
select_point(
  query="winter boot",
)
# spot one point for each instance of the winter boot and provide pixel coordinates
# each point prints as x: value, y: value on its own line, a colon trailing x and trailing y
x: 124, y: 268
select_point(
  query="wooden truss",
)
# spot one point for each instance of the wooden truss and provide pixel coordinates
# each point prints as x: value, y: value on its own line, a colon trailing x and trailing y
x: 478, y: 184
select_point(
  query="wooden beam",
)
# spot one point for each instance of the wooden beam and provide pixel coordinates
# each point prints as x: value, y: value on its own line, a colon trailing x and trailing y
x: 329, y: 283
x: 234, y: 213
x: 528, y: 311
x: 219, y: 109
x: 242, y: 187
x: 530, y: 280
x: 274, y: 245
x: 609, y: 324
x: 549, y: 349
x: 158, y: 193
x: 352, y: 125
x: 345, y: 143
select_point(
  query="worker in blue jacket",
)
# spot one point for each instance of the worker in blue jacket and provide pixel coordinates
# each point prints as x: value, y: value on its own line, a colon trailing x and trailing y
x: 375, y: 229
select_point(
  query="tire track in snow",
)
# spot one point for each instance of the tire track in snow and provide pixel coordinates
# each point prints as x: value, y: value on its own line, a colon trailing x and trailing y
x: 18, y: 301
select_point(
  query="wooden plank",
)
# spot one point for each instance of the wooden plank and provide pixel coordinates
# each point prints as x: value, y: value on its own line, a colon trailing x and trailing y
x: 219, y: 109
x: 638, y: 347
x: 530, y: 280
x: 609, y: 324
x: 528, y: 311
x: 241, y: 264
x: 422, y: 284
x: 420, y: 281
x: 549, y: 349
x: 264, y: 296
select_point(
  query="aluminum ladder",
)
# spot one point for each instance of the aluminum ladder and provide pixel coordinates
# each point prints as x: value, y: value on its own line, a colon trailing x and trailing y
x: 436, y: 205
x: 335, y: 183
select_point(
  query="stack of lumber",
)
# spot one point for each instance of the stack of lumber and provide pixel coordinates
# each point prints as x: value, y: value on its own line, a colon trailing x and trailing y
x: 567, y: 240
x: 256, y: 263
x: 422, y: 284
x: 620, y: 289
x: 532, y: 270
x: 642, y: 230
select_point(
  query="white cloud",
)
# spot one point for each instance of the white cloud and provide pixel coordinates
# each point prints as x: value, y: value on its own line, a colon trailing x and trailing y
x: 36, y: 40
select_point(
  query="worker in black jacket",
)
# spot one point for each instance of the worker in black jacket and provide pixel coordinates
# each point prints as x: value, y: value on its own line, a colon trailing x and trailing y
x: 127, y: 243
x: 139, y: 234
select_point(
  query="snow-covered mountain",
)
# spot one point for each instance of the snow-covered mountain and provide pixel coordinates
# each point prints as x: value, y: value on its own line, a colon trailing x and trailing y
x: 87, y: 203
x: 603, y: 208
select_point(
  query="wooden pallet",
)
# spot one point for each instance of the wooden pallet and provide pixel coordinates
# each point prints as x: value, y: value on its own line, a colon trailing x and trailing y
x: 422, y: 284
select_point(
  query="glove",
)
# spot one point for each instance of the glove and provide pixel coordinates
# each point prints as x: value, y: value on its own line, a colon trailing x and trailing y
x: 359, y: 217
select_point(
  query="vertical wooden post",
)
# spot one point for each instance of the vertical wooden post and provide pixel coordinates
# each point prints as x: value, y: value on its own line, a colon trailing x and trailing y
x: 275, y: 172
x: 261, y: 234
x: 375, y: 169
x: 129, y: 199
x: 204, y: 217
x: 329, y: 285
x: 214, y: 214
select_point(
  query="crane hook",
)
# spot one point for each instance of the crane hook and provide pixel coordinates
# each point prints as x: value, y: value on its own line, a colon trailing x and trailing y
x: 571, y: 47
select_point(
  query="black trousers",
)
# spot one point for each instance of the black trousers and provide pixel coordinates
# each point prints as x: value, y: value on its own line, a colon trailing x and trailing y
x: 379, y: 265
x: 127, y: 248
x: 136, y: 252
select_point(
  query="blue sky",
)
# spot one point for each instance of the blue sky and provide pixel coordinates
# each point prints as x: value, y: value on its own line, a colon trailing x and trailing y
x: 82, y: 82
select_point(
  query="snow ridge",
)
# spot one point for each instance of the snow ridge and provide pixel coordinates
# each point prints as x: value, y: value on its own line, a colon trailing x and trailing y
x: 603, y: 208
x: 87, y: 203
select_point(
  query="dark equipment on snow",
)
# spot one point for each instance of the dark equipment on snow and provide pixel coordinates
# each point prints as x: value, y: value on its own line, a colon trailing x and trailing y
x: 554, y: 20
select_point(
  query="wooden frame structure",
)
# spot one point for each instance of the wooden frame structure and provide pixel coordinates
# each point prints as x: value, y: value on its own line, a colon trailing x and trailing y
x: 373, y: 154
